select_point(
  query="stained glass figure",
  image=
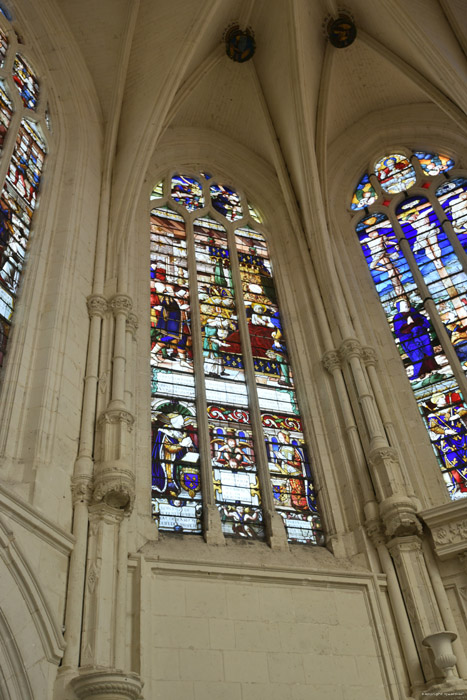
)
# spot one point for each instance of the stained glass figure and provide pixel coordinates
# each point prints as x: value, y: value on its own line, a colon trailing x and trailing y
x: 226, y: 201
x: 288, y: 461
x: 254, y: 213
x: 3, y: 46
x: 440, y: 267
x: 233, y: 458
x: 445, y: 416
x: 26, y: 82
x: 6, y: 112
x: 452, y: 196
x: 395, y: 173
x: 158, y: 191
x: 188, y: 192
x: 176, y: 490
x: 176, y: 486
x: 17, y: 203
x: 364, y: 195
x: 434, y: 163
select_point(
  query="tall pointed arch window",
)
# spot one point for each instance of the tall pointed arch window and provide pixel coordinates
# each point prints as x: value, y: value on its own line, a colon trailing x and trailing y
x: 225, y: 420
x: 413, y: 234
x: 22, y: 154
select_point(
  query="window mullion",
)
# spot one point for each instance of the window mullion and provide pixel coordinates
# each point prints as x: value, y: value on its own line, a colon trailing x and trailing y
x: 211, y: 519
x: 430, y: 307
x: 274, y: 528
x: 450, y: 233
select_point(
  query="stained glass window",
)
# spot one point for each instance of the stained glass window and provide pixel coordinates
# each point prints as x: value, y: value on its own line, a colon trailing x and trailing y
x: 17, y: 204
x: 364, y: 195
x: 212, y: 281
x: 6, y: 111
x: 26, y: 82
x: 416, y: 260
x: 3, y: 46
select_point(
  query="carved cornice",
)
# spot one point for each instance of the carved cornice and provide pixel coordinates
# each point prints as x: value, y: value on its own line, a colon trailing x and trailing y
x: 350, y: 347
x: 97, y: 305
x: 448, y: 527
x: 121, y: 304
x: 93, y: 684
x: 331, y: 361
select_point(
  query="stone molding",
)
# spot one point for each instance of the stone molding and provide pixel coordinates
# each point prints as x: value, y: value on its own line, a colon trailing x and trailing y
x: 97, y: 305
x: 331, y: 361
x: 400, y: 517
x: 53, y: 643
x: 101, y: 512
x: 448, y: 527
x: 21, y: 512
x: 95, y: 683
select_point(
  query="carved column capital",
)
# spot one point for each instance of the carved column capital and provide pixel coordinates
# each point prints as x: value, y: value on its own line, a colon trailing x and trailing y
x: 380, y: 455
x: 331, y: 361
x: 375, y: 531
x: 400, y: 517
x: 115, y: 487
x: 100, y: 684
x: 81, y: 489
x: 369, y: 356
x: 121, y: 304
x: 350, y: 347
x: 115, y: 416
x: 97, y: 305
x: 132, y: 323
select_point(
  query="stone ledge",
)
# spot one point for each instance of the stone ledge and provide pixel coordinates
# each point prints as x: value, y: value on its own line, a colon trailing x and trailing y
x: 448, y: 527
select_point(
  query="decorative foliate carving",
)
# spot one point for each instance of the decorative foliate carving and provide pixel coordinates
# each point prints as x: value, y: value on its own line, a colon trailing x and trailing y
x: 132, y: 323
x: 97, y: 305
x: 331, y: 361
x: 451, y: 534
x: 81, y: 489
x: 93, y: 576
x: 113, y: 417
x: 349, y: 348
x: 121, y: 304
x: 105, y: 683
x: 369, y: 355
x: 375, y: 531
x: 380, y: 455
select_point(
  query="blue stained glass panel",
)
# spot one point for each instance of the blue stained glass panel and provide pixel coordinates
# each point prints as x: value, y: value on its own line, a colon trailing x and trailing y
x: 188, y: 192
x: 434, y: 163
x: 441, y: 269
x: 364, y: 195
x: 452, y: 196
x: 226, y: 201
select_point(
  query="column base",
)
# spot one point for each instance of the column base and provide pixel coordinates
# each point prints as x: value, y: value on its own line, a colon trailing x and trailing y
x: 95, y: 683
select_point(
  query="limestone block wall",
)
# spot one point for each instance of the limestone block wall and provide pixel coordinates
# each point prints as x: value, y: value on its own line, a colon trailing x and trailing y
x: 234, y: 630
